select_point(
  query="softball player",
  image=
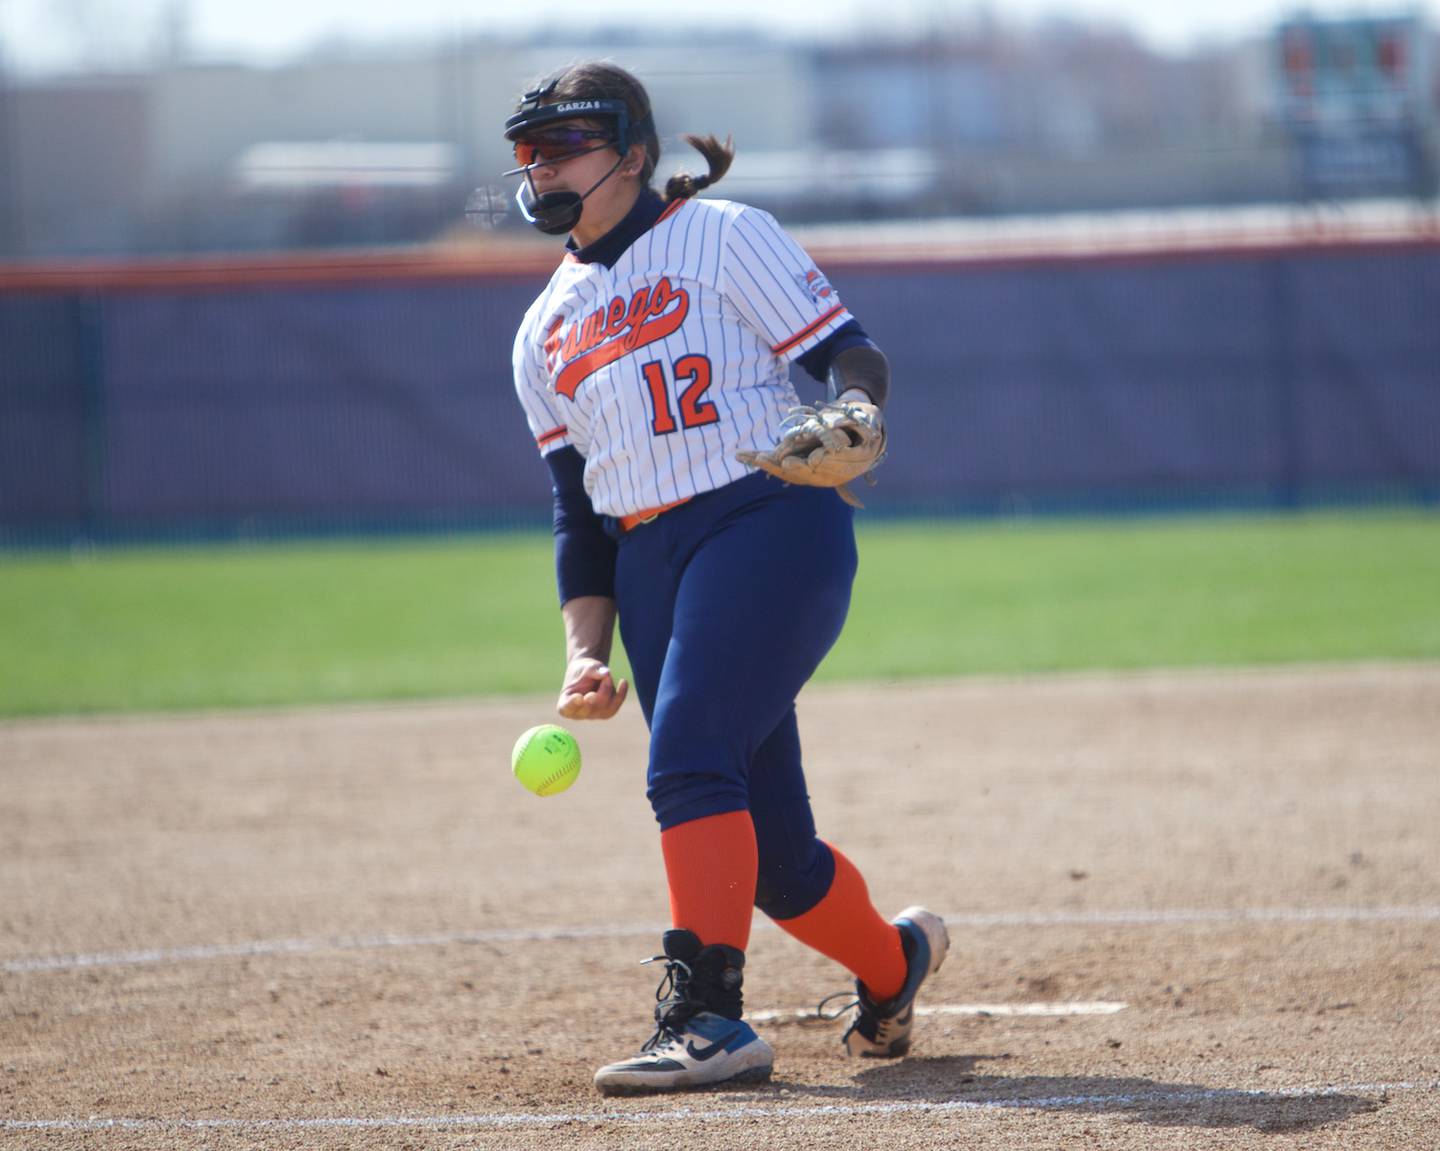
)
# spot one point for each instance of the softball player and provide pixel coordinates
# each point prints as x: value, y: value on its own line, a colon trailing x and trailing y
x: 653, y: 370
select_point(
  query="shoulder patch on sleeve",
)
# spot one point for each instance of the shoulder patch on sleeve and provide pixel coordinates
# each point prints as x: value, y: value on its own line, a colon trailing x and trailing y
x: 814, y: 284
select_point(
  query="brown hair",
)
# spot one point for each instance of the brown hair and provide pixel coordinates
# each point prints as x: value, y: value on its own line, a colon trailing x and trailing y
x: 718, y: 156
x: 598, y: 80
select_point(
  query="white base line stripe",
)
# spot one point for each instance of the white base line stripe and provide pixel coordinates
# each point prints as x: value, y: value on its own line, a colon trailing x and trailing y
x: 310, y: 946
x: 1139, y: 918
x: 1099, y: 1007
x: 692, y: 1115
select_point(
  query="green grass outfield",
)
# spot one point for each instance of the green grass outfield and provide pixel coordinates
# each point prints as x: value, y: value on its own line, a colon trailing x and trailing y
x: 174, y: 629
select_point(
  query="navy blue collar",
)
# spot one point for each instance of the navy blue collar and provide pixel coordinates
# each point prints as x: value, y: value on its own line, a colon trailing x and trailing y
x: 611, y: 246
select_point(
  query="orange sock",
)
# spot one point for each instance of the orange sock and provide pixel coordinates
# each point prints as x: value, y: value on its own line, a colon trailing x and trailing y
x: 711, y: 865
x: 845, y: 926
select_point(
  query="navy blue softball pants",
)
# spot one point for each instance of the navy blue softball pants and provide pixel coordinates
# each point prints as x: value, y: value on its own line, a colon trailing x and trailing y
x: 727, y: 605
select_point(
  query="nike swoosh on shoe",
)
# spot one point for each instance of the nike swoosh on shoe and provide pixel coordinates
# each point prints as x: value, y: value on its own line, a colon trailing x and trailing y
x: 714, y: 1049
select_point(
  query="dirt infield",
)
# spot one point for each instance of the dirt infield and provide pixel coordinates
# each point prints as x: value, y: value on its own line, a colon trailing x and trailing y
x: 350, y: 928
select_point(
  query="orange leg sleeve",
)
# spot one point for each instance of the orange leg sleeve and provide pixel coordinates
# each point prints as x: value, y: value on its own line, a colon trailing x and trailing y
x: 710, y: 864
x: 846, y: 927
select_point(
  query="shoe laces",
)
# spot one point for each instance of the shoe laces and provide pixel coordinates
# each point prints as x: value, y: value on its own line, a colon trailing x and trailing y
x: 673, y: 1007
x: 833, y: 1013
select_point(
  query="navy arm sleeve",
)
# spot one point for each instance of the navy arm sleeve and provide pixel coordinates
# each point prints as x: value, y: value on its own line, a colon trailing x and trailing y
x: 818, y: 359
x: 864, y: 366
x: 584, y: 554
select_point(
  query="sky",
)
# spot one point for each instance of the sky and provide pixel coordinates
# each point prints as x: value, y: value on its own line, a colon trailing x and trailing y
x: 43, y: 35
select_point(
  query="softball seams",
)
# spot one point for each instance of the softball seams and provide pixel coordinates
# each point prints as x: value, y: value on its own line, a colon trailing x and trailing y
x: 544, y: 788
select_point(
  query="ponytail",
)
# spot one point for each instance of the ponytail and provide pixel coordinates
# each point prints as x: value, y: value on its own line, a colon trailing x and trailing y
x: 718, y: 158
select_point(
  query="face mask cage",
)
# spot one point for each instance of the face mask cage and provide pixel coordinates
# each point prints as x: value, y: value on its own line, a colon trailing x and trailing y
x: 540, y: 137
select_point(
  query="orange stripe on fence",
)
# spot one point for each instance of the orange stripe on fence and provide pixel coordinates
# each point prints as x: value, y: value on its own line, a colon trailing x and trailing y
x: 536, y: 259
x: 459, y: 262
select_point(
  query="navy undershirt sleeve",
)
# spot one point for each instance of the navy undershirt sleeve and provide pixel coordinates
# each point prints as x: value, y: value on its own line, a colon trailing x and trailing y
x: 584, y: 554
x: 818, y: 359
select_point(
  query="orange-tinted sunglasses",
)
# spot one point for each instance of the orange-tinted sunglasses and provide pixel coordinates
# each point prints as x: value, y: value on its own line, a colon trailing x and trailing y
x: 557, y: 144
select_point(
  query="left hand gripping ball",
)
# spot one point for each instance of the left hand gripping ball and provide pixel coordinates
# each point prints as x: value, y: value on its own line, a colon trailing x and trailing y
x: 546, y: 759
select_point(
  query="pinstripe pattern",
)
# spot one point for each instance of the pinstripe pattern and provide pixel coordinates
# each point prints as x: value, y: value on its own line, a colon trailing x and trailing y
x: 714, y: 287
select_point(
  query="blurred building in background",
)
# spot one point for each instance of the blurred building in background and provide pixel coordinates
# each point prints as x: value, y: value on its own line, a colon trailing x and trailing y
x: 362, y: 146
x: 1358, y: 99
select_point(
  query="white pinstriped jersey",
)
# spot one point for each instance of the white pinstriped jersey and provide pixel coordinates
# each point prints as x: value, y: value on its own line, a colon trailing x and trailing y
x: 660, y: 369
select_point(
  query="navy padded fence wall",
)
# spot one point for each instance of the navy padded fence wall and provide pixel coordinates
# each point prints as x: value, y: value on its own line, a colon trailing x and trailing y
x: 372, y: 406
x: 383, y: 401
x: 1277, y: 377
x: 46, y: 424
x: 1284, y: 377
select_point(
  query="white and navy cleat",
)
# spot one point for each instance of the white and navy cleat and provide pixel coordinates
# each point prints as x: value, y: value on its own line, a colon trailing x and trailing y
x: 882, y: 1030
x: 708, y: 1049
x: 700, y: 1038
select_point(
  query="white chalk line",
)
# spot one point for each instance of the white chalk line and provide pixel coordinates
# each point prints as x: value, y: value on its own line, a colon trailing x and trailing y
x: 311, y: 946
x: 1132, y: 918
x: 745, y: 1111
x: 1097, y: 1007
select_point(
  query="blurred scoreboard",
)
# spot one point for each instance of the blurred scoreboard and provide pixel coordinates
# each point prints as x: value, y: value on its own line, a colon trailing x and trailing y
x: 1357, y: 96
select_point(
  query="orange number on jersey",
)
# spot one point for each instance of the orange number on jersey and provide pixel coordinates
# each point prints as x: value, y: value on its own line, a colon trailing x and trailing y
x: 695, y: 411
x: 663, y: 423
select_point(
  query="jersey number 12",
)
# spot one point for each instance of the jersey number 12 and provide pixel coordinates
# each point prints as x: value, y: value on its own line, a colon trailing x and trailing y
x: 693, y: 372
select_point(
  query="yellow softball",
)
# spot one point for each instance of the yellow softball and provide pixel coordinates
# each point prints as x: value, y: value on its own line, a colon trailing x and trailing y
x: 546, y: 759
